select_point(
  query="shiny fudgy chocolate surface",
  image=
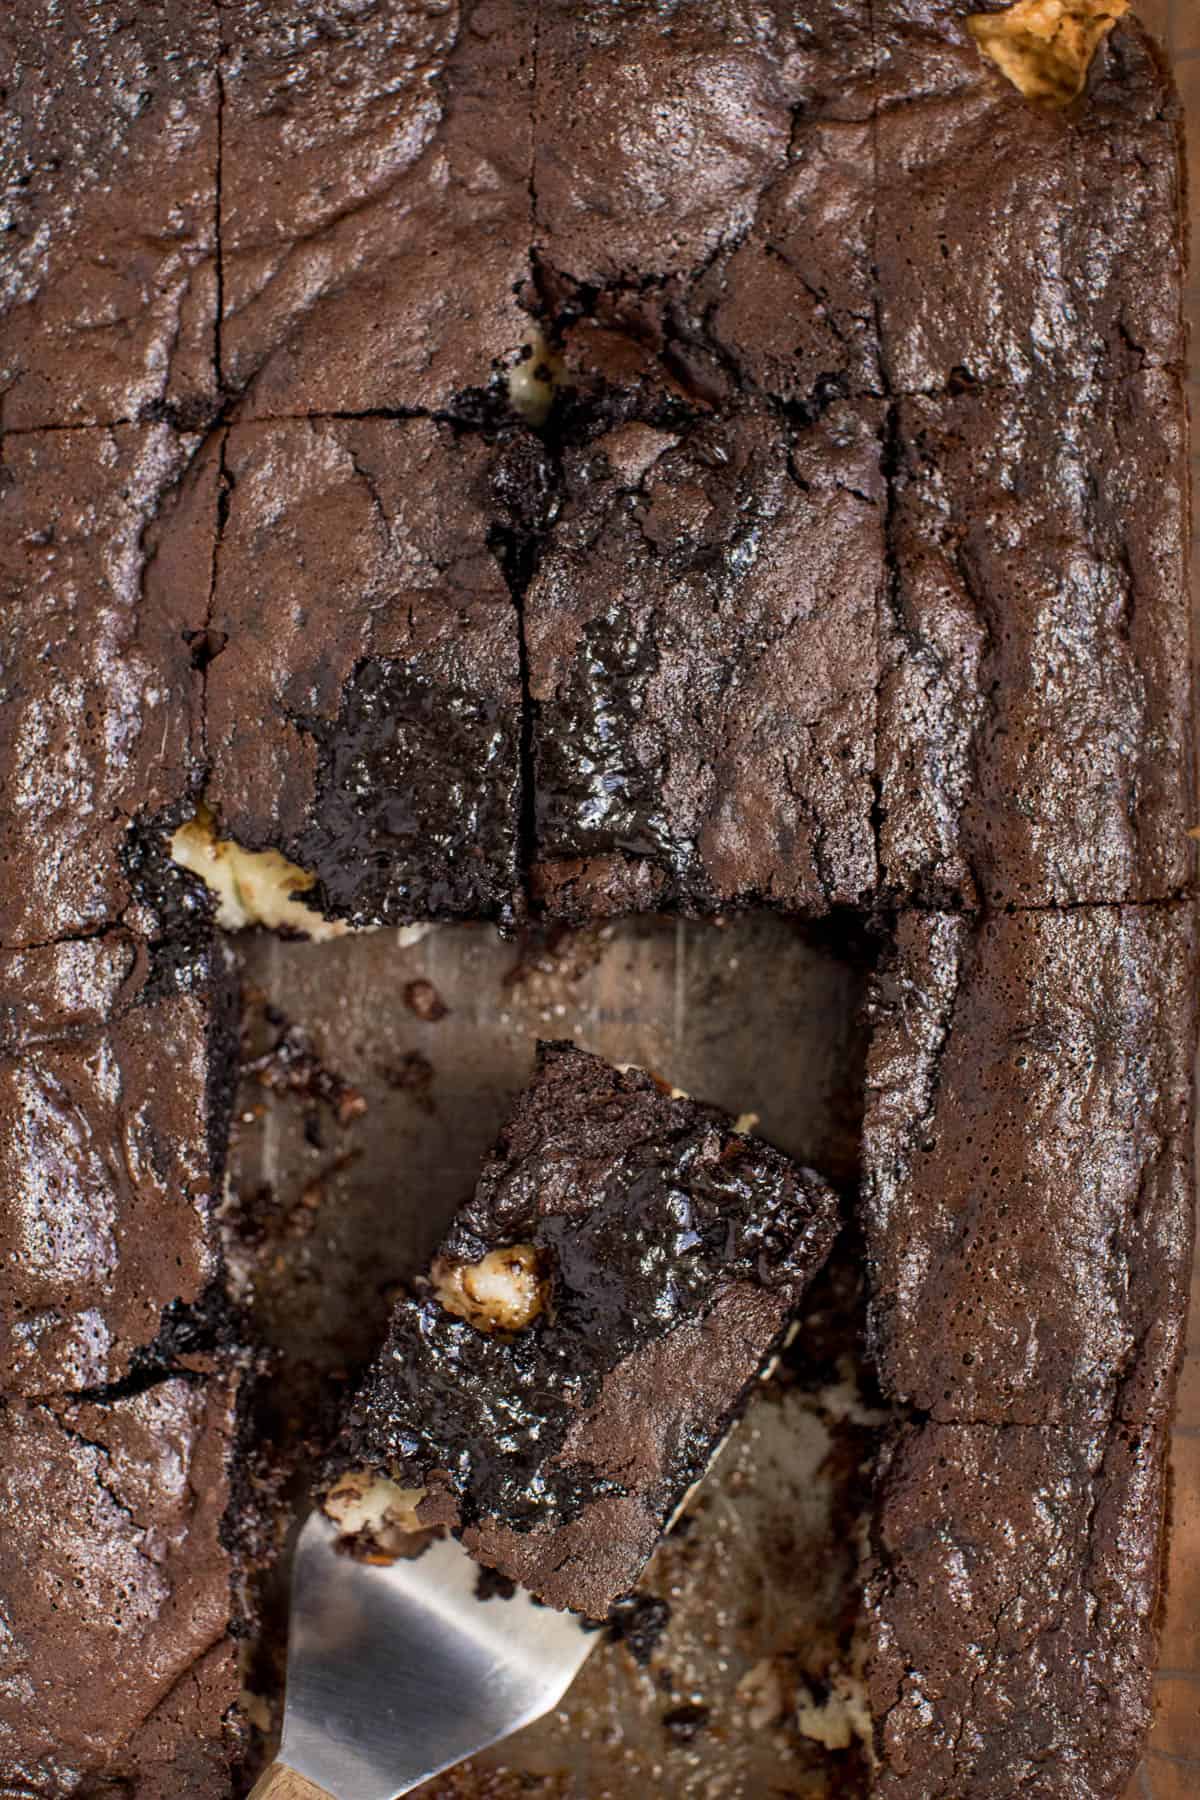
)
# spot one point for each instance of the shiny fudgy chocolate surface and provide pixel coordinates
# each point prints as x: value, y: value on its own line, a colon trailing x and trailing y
x: 416, y: 800
x: 702, y: 651
x: 674, y: 1250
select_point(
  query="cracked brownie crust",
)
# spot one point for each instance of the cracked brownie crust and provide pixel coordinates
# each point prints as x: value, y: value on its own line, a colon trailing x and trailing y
x: 1029, y: 1185
x: 116, y: 1583
x: 845, y: 575
x: 375, y: 220
x: 701, y: 638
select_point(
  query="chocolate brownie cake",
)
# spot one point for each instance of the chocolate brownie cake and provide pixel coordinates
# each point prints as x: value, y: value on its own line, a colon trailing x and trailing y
x: 844, y: 575
x: 1027, y: 1186
x: 591, y: 1328
x: 116, y: 1576
x: 702, y: 641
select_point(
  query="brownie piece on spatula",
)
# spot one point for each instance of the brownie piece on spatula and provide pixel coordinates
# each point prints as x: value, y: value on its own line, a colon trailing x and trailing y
x: 594, y: 1323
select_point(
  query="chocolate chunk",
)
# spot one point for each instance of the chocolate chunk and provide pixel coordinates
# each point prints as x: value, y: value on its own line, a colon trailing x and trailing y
x: 685, y: 1722
x: 423, y: 999
x: 638, y: 1621
x: 491, y: 1586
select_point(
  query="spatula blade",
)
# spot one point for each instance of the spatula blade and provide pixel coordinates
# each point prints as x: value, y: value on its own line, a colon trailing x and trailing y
x: 395, y: 1673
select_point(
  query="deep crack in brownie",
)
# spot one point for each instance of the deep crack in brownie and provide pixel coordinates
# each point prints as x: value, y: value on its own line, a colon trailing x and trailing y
x: 845, y: 575
x: 592, y: 1326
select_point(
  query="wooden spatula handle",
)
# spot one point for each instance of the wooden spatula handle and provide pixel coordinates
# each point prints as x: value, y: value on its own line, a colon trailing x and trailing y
x: 282, y: 1783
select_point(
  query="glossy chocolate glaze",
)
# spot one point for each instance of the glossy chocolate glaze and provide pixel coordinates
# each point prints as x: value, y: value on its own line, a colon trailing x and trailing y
x: 416, y: 800
x: 674, y: 1249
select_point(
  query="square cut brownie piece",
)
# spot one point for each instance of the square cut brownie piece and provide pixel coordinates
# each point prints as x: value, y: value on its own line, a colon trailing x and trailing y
x: 658, y: 130
x: 375, y: 201
x: 109, y: 148
x: 1010, y: 1610
x: 114, y: 1096
x: 364, y: 716
x: 120, y: 1675
x: 594, y: 1323
x: 1033, y: 715
x: 707, y: 168
x: 702, y: 636
x: 1027, y: 1165
x: 1018, y: 241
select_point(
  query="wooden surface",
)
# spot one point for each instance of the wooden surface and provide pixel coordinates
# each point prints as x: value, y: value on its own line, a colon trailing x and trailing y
x: 282, y: 1783
x: 1171, y: 1767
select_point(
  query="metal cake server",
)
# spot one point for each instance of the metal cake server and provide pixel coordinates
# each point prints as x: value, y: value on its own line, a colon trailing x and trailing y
x: 396, y: 1672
